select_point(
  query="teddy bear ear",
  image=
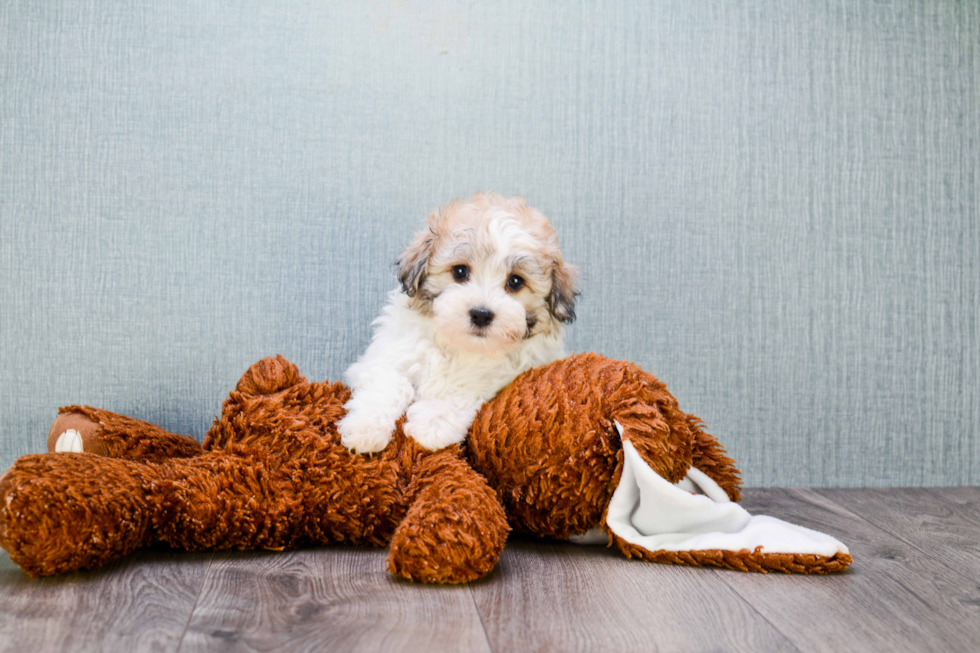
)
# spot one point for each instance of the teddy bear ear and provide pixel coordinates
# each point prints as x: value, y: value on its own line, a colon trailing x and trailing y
x: 413, y: 262
x: 561, y: 301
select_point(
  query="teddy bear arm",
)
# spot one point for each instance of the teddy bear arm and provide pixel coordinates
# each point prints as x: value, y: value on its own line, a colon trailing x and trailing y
x: 273, y: 406
x: 93, y: 430
x: 269, y: 376
x: 455, y: 529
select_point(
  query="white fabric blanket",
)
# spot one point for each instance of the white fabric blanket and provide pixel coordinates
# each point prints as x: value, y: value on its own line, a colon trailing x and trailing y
x: 696, y: 515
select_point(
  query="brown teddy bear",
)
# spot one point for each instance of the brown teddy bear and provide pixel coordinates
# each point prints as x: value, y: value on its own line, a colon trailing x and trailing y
x: 564, y: 450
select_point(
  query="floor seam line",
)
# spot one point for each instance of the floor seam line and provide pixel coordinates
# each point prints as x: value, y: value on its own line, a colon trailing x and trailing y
x: 721, y: 573
x: 197, y: 599
x: 479, y: 615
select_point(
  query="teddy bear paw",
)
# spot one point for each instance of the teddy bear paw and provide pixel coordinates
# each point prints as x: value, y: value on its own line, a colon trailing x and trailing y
x: 364, y: 433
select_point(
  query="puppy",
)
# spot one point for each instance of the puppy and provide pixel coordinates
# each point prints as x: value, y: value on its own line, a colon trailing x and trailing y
x: 484, y: 296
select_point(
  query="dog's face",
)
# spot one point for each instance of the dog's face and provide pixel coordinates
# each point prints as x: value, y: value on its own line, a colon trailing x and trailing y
x: 490, y: 275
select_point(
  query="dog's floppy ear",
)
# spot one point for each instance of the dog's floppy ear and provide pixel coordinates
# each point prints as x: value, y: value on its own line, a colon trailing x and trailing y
x: 414, y: 261
x: 561, y: 301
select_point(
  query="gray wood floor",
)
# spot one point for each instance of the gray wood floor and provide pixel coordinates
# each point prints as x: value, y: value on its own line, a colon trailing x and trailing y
x: 914, y: 586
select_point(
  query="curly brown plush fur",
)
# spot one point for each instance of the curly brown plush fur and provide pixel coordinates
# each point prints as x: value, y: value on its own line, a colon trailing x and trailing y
x: 272, y: 474
x: 557, y: 420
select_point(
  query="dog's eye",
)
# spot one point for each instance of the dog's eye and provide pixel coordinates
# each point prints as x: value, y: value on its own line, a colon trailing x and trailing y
x: 515, y: 283
x: 461, y: 273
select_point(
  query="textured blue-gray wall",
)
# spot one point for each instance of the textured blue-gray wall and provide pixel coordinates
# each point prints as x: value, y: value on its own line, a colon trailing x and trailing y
x: 774, y: 204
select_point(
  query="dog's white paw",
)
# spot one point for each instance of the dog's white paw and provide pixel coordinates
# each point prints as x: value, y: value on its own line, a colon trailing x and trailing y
x: 363, y: 433
x: 433, y: 429
x: 69, y: 442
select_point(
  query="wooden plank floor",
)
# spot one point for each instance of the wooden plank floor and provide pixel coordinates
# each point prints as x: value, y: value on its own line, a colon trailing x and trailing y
x: 914, y: 586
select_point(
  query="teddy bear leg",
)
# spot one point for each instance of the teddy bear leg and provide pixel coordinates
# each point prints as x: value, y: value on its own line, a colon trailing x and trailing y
x: 74, y: 433
x: 91, y: 430
x: 454, y: 531
x: 64, y: 513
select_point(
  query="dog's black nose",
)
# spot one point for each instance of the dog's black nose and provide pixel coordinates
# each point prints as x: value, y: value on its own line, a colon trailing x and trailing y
x: 481, y: 316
